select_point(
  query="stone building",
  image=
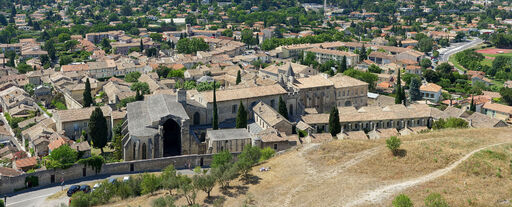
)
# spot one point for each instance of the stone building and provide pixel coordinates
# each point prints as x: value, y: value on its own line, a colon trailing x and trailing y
x: 74, y: 121
x: 266, y: 117
x: 232, y: 140
x: 369, y: 118
x: 157, y: 127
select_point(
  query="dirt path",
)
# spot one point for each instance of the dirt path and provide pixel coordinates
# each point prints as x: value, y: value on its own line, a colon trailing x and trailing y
x: 378, y: 195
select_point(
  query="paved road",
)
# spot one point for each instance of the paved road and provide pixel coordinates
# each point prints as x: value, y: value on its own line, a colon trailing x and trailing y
x: 37, y: 197
x: 13, y: 138
x: 457, y: 47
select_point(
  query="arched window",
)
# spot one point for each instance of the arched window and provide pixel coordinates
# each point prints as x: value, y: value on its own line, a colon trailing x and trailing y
x: 144, y: 151
x: 134, y: 148
x: 290, y: 110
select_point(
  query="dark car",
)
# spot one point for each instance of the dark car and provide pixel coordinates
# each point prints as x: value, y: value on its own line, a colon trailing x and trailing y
x: 85, y: 188
x: 73, y: 189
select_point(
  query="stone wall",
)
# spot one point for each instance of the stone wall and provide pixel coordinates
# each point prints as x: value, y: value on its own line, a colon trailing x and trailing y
x: 47, y: 177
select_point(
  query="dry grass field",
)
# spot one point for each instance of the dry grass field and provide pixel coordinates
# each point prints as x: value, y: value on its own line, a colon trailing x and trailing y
x: 469, y: 167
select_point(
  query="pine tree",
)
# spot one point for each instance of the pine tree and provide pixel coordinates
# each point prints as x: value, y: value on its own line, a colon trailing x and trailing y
x: 398, y: 90
x: 87, y: 94
x: 282, y: 108
x: 334, y: 122
x: 414, y: 89
x: 241, y: 117
x: 472, y: 107
x: 238, y: 77
x: 215, y: 122
x: 98, y: 130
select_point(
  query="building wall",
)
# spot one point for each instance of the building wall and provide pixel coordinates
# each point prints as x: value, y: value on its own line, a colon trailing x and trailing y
x: 433, y: 96
x: 9, y: 184
x: 74, y: 129
x: 352, y: 96
x: 235, y: 145
x: 321, y: 98
x: 497, y: 114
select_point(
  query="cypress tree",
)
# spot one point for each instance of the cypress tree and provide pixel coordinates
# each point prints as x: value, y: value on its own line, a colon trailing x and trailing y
x: 414, y: 89
x: 215, y: 122
x: 87, y: 94
x: 141, y: 45
x: 241, y: 117
x: 362, y: 54
x: 334, y: 122
x: 282, y: 108
x: 398, y: 90
x: 238, y: 77
x: 343, y: 64
x: 472, y: 107
x: 98, y: 130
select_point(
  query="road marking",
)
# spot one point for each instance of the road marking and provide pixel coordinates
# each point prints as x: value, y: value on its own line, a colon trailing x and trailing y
x: 10, y: 204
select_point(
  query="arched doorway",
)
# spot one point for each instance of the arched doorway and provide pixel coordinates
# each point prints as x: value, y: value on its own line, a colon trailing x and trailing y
x: 172, y: 138
x: 144, y: 151
x: 197, y: 118
x: 290, y: 110
x: 348, y: 103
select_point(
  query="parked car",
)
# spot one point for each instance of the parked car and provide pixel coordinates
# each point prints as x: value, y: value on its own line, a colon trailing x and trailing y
x: 73, y: 189
x: 112, y: 181
x: 85, y: 188
x: 96, y: 186
x: 126, y: 179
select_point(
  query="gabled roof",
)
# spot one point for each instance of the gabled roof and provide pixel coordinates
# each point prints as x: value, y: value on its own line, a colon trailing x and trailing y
x: 430, y: 87
x: 26, y: 162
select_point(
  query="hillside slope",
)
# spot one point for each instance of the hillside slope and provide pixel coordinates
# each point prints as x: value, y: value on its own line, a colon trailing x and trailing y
x: 468, y: 167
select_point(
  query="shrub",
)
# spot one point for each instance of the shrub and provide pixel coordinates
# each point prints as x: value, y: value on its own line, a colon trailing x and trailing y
x: 402, y: 201
x: 393, y: 144
x: 80, y: 199
x: 221, y: 158
x: 124, y: 190
x: 166, y: 201
x: 150, y: 183
x: 2, y: 204
x: 435, y: 200
x: 31, y: 181
x: 267, y: 153
x: 95, y: 162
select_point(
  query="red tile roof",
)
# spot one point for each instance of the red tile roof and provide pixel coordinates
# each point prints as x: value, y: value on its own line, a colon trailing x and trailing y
x: 27, y: 162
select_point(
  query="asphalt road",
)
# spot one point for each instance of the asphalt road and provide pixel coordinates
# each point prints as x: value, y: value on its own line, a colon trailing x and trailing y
x: 37, y: 197
x: 457, y: 47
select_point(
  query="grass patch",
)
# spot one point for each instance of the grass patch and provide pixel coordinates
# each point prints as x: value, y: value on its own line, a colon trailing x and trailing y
x: 456, y: 63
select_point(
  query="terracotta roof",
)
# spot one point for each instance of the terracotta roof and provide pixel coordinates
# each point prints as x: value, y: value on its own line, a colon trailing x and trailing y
x: 57, y: 143
x: 80, y: 114
x: 341, y: 81
x: 268, y: 114
x: 498, y: 107
x: 26, y: 162
x: 431, y: 87
x: 353, y: 135
x: 244, y: 93
x: 9, y: 172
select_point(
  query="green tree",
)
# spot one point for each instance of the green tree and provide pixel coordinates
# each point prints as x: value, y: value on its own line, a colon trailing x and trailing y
x: 238, y: 77
x: 61, y: 157
x: 105, y: 44
x: 506, y: 94
x: 266, y: 153
x: 141, y: 46
x: 65, y: 60
x: 215, y: 122
x: 248, y: 38
x: 393, y: 144
x: 204, y: 182
x: 425, y: 63
x: 132, y: 77
x: 241, y: 117
x: 169, y: 178
x: 98, y: 129
x: 80, y: 199
x: 248, y: 158
x: 156, y: 37
x: 118, y: 141
x: 150, y: 183
x: 50, y: 48
x: 343, y: 65
x: 222, y: 158
x: 402, y: 201
x: 435, y: 200
x: 362, y: 53
x: 398, y: 90
x: 143, y: 87
x: 187, y: 189
x: 282, y: 108
x: 374, y: 69
x: 414, y: 89
x: 334, y: 122
x: 425, y: 45
x: 88, y: 101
